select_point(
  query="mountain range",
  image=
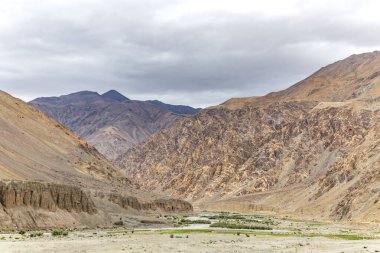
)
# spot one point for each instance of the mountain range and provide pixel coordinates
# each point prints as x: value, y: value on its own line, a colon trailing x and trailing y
x: 312, y: 150
x: 111, y: 122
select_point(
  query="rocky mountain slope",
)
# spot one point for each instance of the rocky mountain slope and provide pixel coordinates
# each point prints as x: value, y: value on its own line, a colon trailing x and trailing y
x: 179, y: 109
x: 49, y: 177
x: 312, y: 150
x: 111, y: 122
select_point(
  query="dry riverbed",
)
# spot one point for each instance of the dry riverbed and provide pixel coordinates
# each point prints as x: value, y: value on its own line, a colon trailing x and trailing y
x: 281, y: 235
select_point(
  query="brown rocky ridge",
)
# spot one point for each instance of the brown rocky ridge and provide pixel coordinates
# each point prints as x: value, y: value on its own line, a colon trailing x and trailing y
x: 312, y: 150
x: 49, y: 177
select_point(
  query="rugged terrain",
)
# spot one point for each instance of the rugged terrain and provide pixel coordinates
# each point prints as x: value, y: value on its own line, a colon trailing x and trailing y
x: 311, y: 150
x: 49, y: 177
x: 111, y: 122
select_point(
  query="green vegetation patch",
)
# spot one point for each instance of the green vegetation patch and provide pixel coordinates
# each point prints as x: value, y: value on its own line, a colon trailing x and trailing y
x: 226, y: 216
x: 238, y: 226
x: 244, y: 218
x: 329, y: 236
x: 185, y: 231
x: 184, y: 221
x: 347, y: 237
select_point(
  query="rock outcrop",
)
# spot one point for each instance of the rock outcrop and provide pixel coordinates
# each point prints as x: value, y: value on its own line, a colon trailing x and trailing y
x: 45, y: 196
x: 166, y: 205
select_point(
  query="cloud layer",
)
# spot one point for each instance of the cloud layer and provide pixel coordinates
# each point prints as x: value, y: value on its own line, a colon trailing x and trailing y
x: 197, y: 52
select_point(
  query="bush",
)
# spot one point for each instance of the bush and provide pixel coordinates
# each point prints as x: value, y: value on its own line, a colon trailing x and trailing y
x: 21, y: 232
x: 59, y: 233
x: 39, y: 234
x: 171, y: 236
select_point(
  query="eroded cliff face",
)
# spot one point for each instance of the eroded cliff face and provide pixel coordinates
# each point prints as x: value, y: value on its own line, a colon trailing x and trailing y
x: 51, y: 197
x: 291, y: 151
x: 45, y: 196
x: 168, y: 205
x: 165, y: 205
x: 38, y: 205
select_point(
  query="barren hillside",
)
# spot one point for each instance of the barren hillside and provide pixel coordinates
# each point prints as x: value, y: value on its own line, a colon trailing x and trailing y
x: 311, y: 150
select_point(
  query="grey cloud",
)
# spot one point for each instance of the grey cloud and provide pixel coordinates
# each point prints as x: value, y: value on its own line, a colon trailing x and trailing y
x: 200, y: 59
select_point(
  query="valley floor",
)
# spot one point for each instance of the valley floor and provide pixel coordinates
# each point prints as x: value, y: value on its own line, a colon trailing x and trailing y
x: 195, y: 242
x: 204, y: 233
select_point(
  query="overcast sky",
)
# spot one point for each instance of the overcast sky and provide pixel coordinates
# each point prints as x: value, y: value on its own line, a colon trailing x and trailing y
x: 196, y: 52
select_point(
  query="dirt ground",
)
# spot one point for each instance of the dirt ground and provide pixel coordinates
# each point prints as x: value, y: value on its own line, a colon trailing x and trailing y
x: 193, y: 242
x: 198, y: 233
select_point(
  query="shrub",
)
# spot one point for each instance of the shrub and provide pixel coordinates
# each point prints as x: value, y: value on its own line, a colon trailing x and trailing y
x: 59, y: 233
x: 36, y: 234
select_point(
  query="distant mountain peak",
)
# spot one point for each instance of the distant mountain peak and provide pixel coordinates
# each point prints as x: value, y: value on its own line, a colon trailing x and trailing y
x: 115, y: 95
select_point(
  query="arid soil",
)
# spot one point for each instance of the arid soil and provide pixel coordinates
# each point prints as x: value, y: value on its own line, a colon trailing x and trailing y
x: 198, y: 242
x: 287, y: 235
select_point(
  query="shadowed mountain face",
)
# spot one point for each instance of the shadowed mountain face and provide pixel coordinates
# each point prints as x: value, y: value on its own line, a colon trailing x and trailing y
x: 110, y: 122
x: 310, y: 150
x: 49, y: 177
x: 179, y: 109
